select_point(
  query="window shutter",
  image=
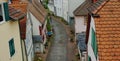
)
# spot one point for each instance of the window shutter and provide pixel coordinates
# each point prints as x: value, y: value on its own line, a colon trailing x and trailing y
x: 11, y: 47
x: 94, y: 43
x: 6, y: 11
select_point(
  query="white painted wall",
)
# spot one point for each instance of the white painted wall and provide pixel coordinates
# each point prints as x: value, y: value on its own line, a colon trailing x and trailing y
x: 58, y: 7
x: 65, y: 10
x: 51, y: 5
x: 29, y: 41
x: 36, y: 25
x: 90, y: 50
x: 79, y: 24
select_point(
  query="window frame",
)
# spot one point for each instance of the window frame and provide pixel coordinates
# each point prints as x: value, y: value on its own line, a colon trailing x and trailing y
x: 13, y: 47
x: 3, y: 13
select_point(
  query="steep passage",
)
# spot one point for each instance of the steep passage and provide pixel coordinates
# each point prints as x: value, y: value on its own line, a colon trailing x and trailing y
x: 58, y: 50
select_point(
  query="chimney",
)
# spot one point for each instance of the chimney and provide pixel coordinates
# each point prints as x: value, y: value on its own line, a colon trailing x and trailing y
x: 94, y: 1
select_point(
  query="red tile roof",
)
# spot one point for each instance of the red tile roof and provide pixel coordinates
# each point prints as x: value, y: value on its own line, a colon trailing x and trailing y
x: 108, y: 31
x: 15, y: 14
x: 21, y: 6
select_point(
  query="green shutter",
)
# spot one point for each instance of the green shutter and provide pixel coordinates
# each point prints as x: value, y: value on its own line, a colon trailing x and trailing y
x: 94, y: 43
x: 11, y: 47
x: 6, y: 11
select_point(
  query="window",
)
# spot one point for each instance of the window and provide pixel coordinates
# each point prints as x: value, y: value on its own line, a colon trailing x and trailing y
x: 72, y: 21
x: 94, y: 43
x: 1, y: 13
x: 11, y: 47
x: 40, y: 30
x: 4, y: 12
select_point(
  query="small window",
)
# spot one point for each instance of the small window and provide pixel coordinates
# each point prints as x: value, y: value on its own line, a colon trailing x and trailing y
x: 11, y: 47
x: 1, y: 14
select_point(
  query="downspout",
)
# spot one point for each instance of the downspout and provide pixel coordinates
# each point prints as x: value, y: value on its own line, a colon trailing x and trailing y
x: 87, y: 31
x: 20, y: 40
x: 25, y: 47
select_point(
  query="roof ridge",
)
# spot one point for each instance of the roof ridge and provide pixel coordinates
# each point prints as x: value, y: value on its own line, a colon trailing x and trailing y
x: 94, y: 8
x: 82, y: 7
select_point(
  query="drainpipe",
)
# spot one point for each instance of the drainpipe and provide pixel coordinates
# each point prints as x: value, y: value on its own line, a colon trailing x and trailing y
x: 20, y: 40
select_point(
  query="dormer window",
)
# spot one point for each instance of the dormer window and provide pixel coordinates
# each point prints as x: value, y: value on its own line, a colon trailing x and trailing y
x: 4, y: 12
x: 1, y: 14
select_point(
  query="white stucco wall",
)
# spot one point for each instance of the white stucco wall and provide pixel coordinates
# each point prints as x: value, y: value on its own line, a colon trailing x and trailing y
x: 65, y: 10
x: 79, y: 24
x: 9, y: 30
x: 36, y: 25
x: 51, y: 5
x: 58, y: 7
x: 29, y: 41
x: 72, y: 5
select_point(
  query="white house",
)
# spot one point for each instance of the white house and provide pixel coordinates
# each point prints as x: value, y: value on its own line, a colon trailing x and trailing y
x: 58, y: 7
x: 37, y: 20
x: 65, y: 10
x: 29, y: 40
x: 81, y: 16
x: 80, y: 19
x: 51, y: 5
x: 72, y: 5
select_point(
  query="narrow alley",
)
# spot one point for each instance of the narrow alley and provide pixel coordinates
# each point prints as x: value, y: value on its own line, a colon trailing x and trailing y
x: 58, y: 51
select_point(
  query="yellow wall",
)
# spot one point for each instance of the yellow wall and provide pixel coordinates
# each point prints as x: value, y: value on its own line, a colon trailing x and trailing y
x: 3, y: 0
x: 9, y: 30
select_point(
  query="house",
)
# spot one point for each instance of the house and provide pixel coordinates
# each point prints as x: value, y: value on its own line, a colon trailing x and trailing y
x: 103, y: 31
x: 65, y: 10
x: 11, y: 45
x: 72, y: 6
x: 18, y: 4
x: 37, y: 20
x: 80, y: 19
x: 51, y: 6
x: 81, y: 16
x: 21, y: 6
x: 61, y: 8
x: 58, y: 7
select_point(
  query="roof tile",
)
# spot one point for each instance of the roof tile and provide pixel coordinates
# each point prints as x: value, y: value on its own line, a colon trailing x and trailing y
x: 108, y: 31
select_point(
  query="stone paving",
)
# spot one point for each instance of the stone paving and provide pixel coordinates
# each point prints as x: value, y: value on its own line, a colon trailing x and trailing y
x: 58, y: 50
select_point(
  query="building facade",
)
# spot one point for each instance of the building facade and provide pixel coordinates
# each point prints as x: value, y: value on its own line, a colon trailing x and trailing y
x: 58, y: 7
x: 11, y: 45
x: 103, y: 31
x: 37, y: 21
x: 72, y: 5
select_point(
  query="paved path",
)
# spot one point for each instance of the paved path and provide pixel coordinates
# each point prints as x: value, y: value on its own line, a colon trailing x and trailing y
x: 58, y: 51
